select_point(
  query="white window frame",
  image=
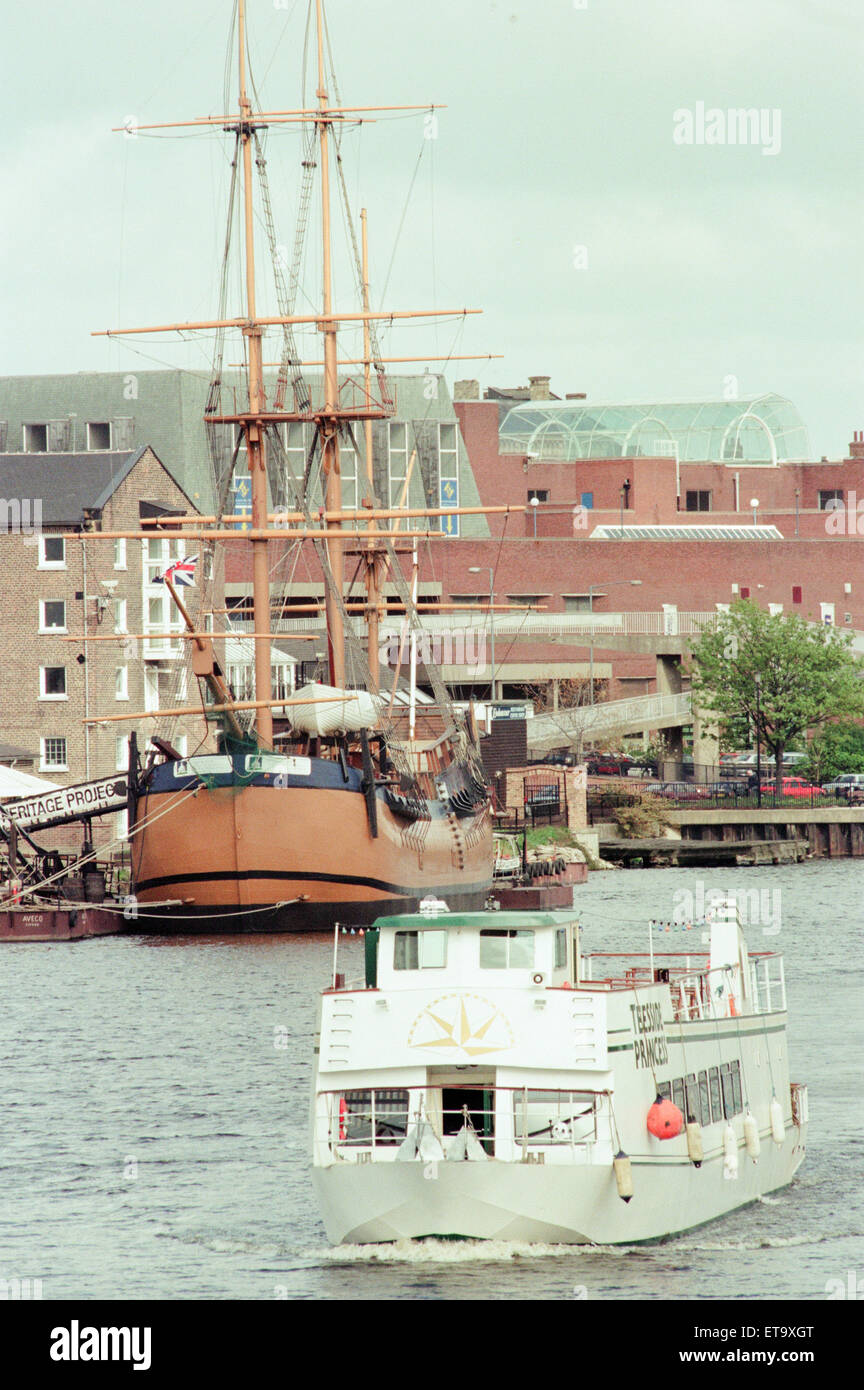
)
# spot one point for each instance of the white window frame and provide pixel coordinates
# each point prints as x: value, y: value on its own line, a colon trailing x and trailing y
x: 51, y: 564
x: 44, y: 629
x: 120, y: 553
x: 90, y: 448
x: 34, y: 425
x: 121, y: 622
x: 42, y: 692
x: 44, y: 765
x: 121, y: 683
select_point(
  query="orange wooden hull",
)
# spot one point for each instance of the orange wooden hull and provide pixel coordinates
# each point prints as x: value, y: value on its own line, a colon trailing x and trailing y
x: 267, y: 858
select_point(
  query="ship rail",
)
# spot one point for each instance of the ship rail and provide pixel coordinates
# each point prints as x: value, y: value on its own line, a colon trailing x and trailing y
x: 695, y: 990
x: 429, y: 1123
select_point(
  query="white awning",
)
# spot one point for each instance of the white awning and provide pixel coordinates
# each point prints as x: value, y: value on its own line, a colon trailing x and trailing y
x: 15, y: 783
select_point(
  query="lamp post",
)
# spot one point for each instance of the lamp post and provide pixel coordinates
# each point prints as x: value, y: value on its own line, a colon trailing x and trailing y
x: 591, y: 587
x: 535, y: 503
x: 757, y: 680
x: 754, y: 503
x: 797, y: 501
x: 477, y: 569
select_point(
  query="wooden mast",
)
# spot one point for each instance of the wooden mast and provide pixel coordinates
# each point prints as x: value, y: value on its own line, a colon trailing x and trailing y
x: 371, y: 549
x: 329, y: 418
x: 255, y: 419
x: 255, y: 452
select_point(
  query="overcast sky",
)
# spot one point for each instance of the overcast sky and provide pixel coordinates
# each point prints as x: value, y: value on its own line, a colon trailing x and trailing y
x: 555, y: 196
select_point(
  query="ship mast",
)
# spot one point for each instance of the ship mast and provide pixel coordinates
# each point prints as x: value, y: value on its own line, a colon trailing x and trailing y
x: 256, y: 417
x: 371, y: 550
x: 329, y: 421
x: 253, y: 429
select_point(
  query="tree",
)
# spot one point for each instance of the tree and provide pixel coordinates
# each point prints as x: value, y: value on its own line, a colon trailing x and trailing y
x: 836, y: 748
x: 807, y: 676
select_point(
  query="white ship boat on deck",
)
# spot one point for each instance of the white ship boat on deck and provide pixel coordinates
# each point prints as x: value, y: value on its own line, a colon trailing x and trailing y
x: 488, y: 1080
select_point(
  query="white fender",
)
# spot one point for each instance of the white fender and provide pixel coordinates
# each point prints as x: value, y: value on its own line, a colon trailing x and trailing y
x: 751, y: 1136
x: 778, y: 1128
x: 623, y: 1175
x: 695, y: 1150
x: 730, y: 1153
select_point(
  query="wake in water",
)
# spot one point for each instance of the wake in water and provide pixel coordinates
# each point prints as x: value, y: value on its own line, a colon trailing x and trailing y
x: 451, y: 1252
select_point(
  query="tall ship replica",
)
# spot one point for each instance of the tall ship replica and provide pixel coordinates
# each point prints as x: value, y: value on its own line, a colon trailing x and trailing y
x: 488, y: 1080
x: 375, y: 795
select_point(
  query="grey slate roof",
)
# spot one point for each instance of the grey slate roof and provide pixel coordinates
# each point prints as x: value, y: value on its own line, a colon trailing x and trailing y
x: 10, y: 752
x: 65, y: 484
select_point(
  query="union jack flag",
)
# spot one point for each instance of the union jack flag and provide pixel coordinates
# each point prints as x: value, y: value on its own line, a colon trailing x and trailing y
x: 182, y: 572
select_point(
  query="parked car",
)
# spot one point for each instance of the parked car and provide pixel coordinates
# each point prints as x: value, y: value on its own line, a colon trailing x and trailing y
x: 642, y: 769
x: 732, y: 787
x: 609, y: 765
x: 797, y: 787
x: 849, y: 784
x: 680, y: 791
x: 559, y: 757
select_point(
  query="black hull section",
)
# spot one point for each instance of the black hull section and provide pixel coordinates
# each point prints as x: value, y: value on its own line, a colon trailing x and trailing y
x: 288, y: 918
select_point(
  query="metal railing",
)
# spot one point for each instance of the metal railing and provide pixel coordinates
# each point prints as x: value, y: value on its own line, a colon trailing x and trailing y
x: 506, y: 1122
x: 769, y: 984
x: 645, y: 711
x: 694, y: 988
x: 630, y: 624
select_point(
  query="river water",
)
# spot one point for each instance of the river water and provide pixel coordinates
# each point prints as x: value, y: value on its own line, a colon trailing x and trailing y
x: 155, y: 1102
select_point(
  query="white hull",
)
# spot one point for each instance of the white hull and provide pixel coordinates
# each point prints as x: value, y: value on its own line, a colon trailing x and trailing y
x: 377, y: 1202
x: 482, y: 1083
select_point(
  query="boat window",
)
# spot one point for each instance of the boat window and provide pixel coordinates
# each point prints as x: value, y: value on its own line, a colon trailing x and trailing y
x: 691, y: 1091
x: 704, y: 1099
x: 380, y: 1113
x: 730, y: 1075
x: 716, y: 1103
x: 560, y: 947
x: 678, y: 1094
x: 420, y: 950
x: 553, y: 1117
x: 664, y: 1090
x: 506, y: 950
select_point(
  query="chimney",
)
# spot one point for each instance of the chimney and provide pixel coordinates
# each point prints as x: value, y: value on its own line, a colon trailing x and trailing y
x: 466, y: 390
x: 538, y: 388
x: 856, y: 448
x: 576, y: 396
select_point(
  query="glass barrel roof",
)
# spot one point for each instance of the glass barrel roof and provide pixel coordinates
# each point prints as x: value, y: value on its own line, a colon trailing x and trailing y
x: 750, y: 429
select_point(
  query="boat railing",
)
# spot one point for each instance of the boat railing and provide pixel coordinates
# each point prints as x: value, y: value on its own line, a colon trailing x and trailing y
x: 768, y: 984
x: 694, y: 988
x: 432, y: 1123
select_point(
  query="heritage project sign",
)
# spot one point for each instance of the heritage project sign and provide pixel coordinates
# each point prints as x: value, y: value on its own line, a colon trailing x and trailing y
x: 68, y: 804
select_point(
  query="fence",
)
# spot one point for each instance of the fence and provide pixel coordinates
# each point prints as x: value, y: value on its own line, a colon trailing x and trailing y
x: 709, y: 787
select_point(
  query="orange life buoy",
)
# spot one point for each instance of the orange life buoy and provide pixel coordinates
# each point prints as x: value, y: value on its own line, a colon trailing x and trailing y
x: 343, y: 1116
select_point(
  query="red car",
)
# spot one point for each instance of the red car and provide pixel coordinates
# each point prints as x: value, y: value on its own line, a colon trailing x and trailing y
x: 796, y: 786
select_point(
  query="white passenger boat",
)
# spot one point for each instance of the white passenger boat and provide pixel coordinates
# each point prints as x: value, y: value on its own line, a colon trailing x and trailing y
x: 488, y: 1080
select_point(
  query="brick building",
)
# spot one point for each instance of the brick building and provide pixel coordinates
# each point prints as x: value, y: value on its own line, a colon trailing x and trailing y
x: 59, y: 581
x: 656, y: 509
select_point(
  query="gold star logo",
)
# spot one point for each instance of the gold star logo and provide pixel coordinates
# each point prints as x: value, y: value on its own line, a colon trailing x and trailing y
x: 461, y: 1023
